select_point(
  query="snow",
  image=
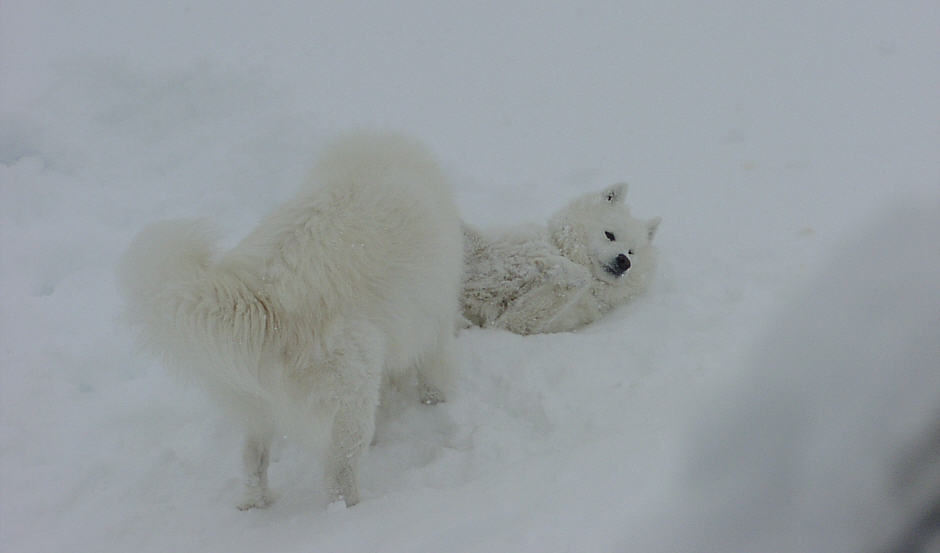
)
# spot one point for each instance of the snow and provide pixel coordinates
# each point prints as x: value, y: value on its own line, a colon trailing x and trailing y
x: 765, y: 395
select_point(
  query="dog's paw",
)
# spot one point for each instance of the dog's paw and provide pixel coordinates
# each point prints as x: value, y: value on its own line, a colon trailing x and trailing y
x: 337, y: 506
x: 564, y: 274
x: 255, y: 501
x: 430, y: 395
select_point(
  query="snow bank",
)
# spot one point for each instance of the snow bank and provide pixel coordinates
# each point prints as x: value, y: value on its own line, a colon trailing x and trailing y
x: 828, y: 440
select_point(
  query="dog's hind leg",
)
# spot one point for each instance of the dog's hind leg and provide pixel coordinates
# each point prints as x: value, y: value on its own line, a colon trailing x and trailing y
x: 259, y: 431
x: 256, y: 456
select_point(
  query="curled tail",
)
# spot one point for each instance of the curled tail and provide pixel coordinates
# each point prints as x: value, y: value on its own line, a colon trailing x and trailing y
x: 161, y: 258
x: 159, y: 276
x: 196, y: 314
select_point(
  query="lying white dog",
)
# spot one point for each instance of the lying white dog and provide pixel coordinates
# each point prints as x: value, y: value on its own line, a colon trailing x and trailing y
x: 592, y: 257
x: 356, y: 278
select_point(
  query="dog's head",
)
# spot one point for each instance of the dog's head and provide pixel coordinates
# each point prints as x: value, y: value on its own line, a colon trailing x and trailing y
x: 597, y: 231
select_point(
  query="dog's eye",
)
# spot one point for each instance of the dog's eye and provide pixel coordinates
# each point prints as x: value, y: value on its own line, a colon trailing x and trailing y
x: 610, y: 236
x: 629, y: 252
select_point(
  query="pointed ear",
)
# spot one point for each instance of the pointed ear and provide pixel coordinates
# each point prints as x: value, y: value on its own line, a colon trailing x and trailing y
x: 652, y: 226
x: 615, y: 193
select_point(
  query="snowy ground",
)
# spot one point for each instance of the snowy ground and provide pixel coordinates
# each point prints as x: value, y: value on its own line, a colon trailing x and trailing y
x: 775, y: 390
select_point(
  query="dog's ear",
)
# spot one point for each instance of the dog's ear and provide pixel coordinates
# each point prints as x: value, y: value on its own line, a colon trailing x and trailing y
x: 652, y: 226
x: 615, y: 193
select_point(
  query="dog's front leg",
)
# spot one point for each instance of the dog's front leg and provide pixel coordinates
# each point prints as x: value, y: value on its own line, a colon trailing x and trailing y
x: 545, y: 307
x: 353, y: 369
x: 436, y: 371
x: 352, y: 432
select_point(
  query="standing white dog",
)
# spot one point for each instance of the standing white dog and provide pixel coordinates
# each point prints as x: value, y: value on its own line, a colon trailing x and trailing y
x: 355, y: 279
x: 592, y: 257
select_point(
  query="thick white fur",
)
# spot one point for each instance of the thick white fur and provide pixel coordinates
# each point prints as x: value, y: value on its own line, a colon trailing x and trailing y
x: 355, y: 279
x: 533, y: 279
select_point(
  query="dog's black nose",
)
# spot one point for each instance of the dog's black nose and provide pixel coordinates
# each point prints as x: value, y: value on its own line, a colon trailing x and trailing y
x: 623, y: 263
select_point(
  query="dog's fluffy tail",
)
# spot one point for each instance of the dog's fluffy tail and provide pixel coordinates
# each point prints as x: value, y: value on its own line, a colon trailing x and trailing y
x: 194, y: 313
x: 161, y: 258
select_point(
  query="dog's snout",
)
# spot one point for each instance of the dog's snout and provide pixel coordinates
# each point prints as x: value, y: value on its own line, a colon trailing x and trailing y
x: 623, y: 262
x: 618, y: 266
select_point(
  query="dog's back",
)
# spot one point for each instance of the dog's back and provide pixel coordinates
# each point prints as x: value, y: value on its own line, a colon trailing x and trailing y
x: 375, y: 235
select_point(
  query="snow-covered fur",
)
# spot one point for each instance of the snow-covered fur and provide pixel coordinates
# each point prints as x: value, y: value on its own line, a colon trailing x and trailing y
x: 592, y: 257
x: 355, y: 279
